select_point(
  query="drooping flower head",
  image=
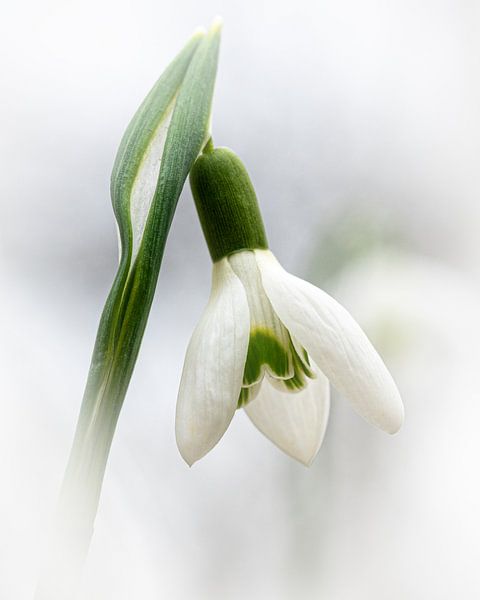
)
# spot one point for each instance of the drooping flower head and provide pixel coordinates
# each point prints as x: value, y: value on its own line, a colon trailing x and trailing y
x: 267, y: 341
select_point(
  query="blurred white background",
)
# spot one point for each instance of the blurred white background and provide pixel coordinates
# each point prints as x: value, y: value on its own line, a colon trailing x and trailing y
x: 360, y: 126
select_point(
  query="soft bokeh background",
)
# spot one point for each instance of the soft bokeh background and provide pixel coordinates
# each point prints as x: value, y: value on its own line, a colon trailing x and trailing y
x: 360, y: 125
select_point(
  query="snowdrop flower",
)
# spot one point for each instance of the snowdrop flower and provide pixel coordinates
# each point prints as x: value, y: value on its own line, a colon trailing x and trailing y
x: 268, y: 341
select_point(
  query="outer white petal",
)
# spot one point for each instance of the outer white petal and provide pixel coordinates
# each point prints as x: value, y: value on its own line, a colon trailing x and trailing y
x: 296, y: 423
x: 213, y: 370
x: 336, y: 343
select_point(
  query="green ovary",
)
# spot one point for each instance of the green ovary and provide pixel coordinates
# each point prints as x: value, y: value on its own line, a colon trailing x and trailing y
x: 288, y: 372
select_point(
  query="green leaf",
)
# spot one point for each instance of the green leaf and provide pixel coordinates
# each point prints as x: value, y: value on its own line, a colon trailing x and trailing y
x: 155, y: 156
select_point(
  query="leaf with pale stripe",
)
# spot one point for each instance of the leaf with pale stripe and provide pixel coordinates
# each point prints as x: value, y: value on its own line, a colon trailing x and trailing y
x: 155, y: 156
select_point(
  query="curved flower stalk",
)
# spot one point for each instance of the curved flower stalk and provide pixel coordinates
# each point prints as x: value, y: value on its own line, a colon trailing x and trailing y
x: 155, y: 156
x: 268, y: 342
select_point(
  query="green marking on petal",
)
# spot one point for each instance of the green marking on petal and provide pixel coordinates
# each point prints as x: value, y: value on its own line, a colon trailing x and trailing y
x: 301, y: 371
x: 301, y: 362
x: 305, y: 358
x: 264, y: 349
x: 288, y: 369
x: 243, y: 397
x: 247, y: 394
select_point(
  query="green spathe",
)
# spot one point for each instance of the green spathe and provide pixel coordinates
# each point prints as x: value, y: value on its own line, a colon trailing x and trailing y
x: 226, y: 203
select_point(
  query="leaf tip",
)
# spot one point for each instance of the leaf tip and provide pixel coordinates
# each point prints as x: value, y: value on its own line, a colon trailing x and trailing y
x: 199, y: 32
x: 217, y: 24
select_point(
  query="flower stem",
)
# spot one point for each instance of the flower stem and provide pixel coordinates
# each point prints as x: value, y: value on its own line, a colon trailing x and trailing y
x: 209, y: 147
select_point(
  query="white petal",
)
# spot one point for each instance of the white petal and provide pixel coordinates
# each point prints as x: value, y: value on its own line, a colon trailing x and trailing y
x: 213, y: 370
x: 336, y: 343
x: 296, y: 423
x: 262, y: 315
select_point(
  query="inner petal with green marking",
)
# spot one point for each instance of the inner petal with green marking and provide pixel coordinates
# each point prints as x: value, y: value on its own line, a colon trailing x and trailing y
x: 271, y: 350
